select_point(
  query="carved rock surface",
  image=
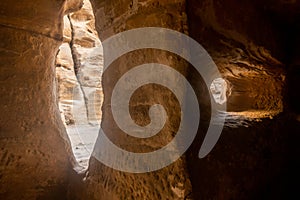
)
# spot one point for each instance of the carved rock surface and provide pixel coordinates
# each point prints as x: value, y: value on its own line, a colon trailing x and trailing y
x: 255, y: 45
x: 78, y: 71
x: 36, y: 158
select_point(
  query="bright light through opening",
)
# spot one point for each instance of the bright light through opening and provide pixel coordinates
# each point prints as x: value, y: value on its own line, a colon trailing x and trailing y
x: 218, y: 89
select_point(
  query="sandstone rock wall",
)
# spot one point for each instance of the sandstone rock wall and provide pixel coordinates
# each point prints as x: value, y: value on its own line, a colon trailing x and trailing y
x: 246, y: 56
x: 246, y: 41
x: 36, y: 157
x: 250, y: 41
x: 79, y: 68
x: 246, y: 46
x: 79, y: 65
x: 169, y: 183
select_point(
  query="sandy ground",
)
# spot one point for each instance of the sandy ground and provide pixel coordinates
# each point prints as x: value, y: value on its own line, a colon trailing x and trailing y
x: 83, y: 138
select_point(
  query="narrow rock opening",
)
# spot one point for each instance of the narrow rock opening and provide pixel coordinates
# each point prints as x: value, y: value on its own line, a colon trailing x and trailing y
x: 219, y: 90
x: 78, y: 71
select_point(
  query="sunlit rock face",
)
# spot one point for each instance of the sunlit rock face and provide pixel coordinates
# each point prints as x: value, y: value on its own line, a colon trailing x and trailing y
x: 219, y: 90
x: 80, y: 60
x: 78, y: 71
x: 87, y: 55
x: 255, y: 45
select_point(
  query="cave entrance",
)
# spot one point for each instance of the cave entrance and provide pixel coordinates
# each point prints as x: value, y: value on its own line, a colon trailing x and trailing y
x: 79, y: 65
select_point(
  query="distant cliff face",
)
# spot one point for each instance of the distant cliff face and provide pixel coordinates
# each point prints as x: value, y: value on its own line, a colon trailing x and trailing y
x: 79, y: 68
x: 255, y: 45
x: 247, y: 41
x: 79, y: 65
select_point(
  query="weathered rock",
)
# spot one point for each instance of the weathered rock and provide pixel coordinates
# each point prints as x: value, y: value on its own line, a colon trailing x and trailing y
x: 85, y: 51
x: 247, y: 57
x: 78, y: 72
x: 255, y: 45
x: 88, y: 53
x: 244, y: 40
x: 67, y: 82
x: 72, y: 6
x: 36, y: 157
x: 171, y: 182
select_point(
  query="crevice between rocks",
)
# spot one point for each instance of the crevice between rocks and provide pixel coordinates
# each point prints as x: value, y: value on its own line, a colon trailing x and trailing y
x: 77, y: 66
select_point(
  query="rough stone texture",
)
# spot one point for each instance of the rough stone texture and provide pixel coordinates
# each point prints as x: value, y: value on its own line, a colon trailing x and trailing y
x: 36, y: 158
x: 66, y: 82
x: 247, y: 42
x: 78, y: 71
x: 169, y: 183
x: 255, y: 45
x: 247, y: 57
x: 87, y: 54
x: 247, y: 45
x: 81, y: 51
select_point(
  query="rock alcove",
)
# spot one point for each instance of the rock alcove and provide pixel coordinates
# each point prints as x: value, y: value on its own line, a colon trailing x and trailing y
x: 255, y: 46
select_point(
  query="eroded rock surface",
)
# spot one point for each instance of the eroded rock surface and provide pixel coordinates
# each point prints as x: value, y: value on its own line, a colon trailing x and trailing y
x: 171, y: 182
x: 78, y: 71
x: 255, y: 46
x: 81, y: 55
x: 36, y: 158
x: 246, y: 44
